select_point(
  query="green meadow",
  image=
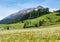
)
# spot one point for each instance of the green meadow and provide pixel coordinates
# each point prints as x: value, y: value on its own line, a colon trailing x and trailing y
x: 47, y: 34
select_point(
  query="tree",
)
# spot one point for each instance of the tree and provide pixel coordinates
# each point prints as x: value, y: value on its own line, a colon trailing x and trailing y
x: 45, y: 10
x: 59, y: 11
x: 27, y: 24
x: 39, y: 12
x: 13, y: 21
x: 24, y: 25
x: 40, y: 23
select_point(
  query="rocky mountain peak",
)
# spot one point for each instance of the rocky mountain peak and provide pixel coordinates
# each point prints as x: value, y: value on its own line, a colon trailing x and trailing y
x: 19, y: 14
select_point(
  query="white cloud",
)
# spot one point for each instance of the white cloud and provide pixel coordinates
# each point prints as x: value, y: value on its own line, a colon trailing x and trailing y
x: 53, y: 9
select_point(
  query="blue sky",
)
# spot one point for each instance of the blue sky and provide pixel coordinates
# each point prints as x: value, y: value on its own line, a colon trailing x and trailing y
x: 8, y: 7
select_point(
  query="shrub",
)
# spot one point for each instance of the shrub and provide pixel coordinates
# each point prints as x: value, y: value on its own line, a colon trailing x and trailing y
x: 27, y: 24
x: 7, y: 27
x: 58, y: 20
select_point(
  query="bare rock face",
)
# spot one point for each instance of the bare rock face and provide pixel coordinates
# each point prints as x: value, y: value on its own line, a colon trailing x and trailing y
x: 18, y: 14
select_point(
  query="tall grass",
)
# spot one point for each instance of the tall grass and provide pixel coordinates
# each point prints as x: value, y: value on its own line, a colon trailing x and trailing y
x: 31, y: 35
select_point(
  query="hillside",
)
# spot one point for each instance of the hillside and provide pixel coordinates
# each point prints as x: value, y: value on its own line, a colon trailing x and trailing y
x: 18, y: 15
x: 30, y: 15
x: 34, y: 18
x: 42, y: 21
x: 48, y: 19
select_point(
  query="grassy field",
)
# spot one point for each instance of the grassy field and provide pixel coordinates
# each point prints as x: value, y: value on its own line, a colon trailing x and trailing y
x: 51, y: 34
x: 11, y: 26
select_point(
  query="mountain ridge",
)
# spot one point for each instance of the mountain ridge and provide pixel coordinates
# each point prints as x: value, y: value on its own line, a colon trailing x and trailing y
x: 19, y: 14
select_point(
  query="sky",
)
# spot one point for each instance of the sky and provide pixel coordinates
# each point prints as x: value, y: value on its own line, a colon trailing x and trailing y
x: 8, y: 7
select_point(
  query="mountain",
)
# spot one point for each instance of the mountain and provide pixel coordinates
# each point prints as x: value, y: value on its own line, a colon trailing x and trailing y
x: 19, y: 14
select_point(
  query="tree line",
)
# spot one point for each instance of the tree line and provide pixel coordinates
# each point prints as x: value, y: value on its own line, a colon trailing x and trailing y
x: 31, y: 15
